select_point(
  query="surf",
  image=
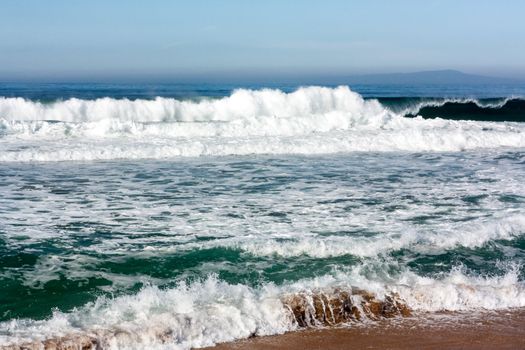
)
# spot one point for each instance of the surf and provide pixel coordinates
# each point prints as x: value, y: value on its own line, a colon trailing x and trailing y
x: 211, y: 311
x: 310, y: 120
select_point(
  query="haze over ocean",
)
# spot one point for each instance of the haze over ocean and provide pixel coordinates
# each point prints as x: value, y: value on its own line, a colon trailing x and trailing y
x: 234, y: 41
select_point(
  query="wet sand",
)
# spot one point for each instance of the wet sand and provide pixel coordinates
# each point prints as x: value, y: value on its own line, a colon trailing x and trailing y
x: 490, y: 330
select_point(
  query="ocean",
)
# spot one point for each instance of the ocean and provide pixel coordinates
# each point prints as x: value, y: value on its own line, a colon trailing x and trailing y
x: 178, y: 216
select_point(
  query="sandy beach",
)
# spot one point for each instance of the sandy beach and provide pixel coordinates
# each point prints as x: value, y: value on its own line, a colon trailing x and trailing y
x: 492, y: 330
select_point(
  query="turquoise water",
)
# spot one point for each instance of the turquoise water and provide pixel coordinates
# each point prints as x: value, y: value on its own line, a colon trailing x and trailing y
x: 116, y: 242
x: 74, y: 231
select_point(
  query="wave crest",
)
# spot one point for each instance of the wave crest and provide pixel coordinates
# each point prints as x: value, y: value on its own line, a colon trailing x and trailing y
x: 495, y: 110
x: 212, y: 311
x: 242, y: 104
x: 310, y: 120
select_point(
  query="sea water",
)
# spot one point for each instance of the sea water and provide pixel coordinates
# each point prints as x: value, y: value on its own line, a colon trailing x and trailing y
x: 176, y: 216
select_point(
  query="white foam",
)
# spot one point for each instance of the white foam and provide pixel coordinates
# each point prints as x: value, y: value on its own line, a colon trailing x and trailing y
x: 457, y: 291
x: 241, y: 105
x: 211, y: 311
x: 311, y: 120
x: 196, y: 315
x: 436, y: 239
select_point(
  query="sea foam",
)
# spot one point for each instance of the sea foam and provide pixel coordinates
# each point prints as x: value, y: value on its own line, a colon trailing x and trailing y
x: 310, y: 120
x: 211, y: 311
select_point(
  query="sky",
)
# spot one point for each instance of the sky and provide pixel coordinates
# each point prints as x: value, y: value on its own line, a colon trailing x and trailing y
x: 102, y: 39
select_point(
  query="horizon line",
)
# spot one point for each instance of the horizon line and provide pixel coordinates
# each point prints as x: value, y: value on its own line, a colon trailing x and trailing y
x: 228, y: 77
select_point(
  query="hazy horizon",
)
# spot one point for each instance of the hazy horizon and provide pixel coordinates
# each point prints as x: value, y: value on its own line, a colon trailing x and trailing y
x: 160, y: 40
x: 274, y: 79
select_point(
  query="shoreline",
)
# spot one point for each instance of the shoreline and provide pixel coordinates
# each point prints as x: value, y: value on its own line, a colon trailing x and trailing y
x: 503, y: 329
x: 495, y: 329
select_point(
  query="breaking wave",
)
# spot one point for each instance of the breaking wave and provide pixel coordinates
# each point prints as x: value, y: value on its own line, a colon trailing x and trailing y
x: 510, y: 109
x: 241, y: 105
x: 310, y: 120
x: 207, y: 312
x: 471, y: 235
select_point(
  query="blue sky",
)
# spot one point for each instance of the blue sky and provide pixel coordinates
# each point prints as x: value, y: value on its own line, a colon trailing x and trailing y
x: 77, y: 39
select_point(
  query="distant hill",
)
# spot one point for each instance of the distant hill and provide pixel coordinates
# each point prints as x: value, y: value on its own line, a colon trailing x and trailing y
x: 427, y: 77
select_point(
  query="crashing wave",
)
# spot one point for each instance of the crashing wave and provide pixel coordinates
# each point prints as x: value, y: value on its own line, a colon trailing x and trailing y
x: 306, y: 309
x: 241, y: 105
x: 310, y: 120
x: 211, y: 311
